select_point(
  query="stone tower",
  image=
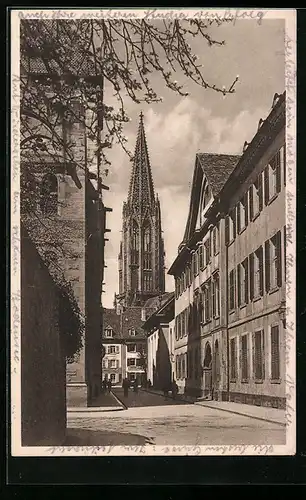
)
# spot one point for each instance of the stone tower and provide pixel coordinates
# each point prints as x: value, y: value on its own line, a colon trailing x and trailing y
x: 141, y: 255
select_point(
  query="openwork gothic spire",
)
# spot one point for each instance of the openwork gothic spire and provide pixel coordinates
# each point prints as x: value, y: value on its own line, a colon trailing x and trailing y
x: 141, y: 190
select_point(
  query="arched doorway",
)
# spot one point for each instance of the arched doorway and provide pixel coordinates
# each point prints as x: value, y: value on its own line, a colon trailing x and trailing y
x: 207, y: 371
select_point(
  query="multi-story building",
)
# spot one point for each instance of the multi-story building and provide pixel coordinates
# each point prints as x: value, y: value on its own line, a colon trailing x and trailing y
x: 230, y: 273
x: 124, y: 342
x: 159, y: 328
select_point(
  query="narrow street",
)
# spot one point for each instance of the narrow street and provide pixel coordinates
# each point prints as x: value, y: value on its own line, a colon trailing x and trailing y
x: 152, y: 419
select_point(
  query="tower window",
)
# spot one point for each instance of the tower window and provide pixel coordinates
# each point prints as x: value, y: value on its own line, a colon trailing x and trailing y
x: 135, y: 243
x: 147, y: 258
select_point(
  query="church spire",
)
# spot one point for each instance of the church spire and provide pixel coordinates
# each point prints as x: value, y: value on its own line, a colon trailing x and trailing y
x: 141, y: 190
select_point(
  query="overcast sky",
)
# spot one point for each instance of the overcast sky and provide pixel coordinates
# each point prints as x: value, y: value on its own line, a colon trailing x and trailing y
x: 178, y: 128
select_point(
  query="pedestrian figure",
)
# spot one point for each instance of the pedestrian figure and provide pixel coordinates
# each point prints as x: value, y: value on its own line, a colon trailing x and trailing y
x: 104, y: 385
x: 135, y: 386
x: 125, y: 385
x: 174, y: 389
x: 149, y: 384
x: 109, y: 385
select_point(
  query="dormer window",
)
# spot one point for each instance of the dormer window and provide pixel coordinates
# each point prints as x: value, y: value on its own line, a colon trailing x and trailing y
x: 109, y: 332
x: 132, y: 332
x: 205, y: 199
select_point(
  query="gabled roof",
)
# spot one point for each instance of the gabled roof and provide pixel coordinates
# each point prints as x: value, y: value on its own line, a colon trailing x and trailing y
x: 217, y: 169
x: 122, y: 323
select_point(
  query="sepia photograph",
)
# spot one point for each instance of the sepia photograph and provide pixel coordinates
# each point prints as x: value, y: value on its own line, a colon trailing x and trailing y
x: 153, y: 232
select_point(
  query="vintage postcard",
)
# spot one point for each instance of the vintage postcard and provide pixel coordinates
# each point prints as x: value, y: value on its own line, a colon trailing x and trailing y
x: 153, y: 186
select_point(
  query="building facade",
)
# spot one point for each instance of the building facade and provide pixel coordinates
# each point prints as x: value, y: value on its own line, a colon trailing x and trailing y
x: 159, y: 328
x: 230, y: 273
x: 124, y: 342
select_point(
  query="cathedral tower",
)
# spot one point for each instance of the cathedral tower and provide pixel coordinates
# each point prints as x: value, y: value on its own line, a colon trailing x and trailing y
x: 141, y: 255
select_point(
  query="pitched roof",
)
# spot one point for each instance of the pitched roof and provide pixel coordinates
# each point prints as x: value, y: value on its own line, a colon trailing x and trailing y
x: 217, y: 168
x: 122, y: 323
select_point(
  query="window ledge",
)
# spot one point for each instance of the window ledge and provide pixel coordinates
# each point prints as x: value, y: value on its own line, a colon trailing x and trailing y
x: 275, y: 381
x: 230, y: 242
x: 231, y: 311
x: 255, y: 216
x: 273, y: 290
x: 245, y: 381
x: 259, y: 381
x: 233, y: 380
x: 242, y: 230
x: 272, y: 198
x: 242, y: 306
x: 217, y: 316
x: 216, y: 253
x: 255, y: 299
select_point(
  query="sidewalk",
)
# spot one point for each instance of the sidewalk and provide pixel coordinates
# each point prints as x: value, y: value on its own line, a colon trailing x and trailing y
x: 272, y: 415
x: 104, y: 402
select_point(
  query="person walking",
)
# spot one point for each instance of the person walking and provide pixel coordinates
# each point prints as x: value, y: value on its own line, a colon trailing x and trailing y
x: 174, y: 389
x: 125, y: 385
x: 104, y: 385
x: 135, y: 386
x: 109, y: 385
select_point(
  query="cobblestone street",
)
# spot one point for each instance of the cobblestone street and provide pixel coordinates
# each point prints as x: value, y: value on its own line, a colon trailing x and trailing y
x: 152, y: 419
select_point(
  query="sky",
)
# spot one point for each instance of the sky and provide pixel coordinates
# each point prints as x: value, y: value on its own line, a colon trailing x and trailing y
x: 205, y: 121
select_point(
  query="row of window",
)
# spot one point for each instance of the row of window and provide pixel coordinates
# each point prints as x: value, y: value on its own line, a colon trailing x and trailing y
x: 134, y: 362
x: 188, y: 365
x: 111, y: 349
x: 263, y: 267
x: 199, y: 260
x: 110, y: 363
x: 257, y: 350
x: 146, y: 245
x: 205, y: 307
x: 109, y: 332
x: 263, y: 191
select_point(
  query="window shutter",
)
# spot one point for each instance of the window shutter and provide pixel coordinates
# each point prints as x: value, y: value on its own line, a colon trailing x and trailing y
x: 266, y: 179
x: 234, y: 222
x: 263, y: 357
x: 238, y: 217
x: 251, y: 261
x: 260, y: 193
x: 279, y: 258
x: 246, y: 270
x: 267, y: 265
x: 253, y: 358
x: 251, y: 209
x: 246, y: 208
x: 227, y: 230
x: 260, y: 253
x: 240, y: 357
x: 117, y: 348
x: 234, y: 286
x: 239, y: 284
x: 117, y: 363
x: 278, y: 172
